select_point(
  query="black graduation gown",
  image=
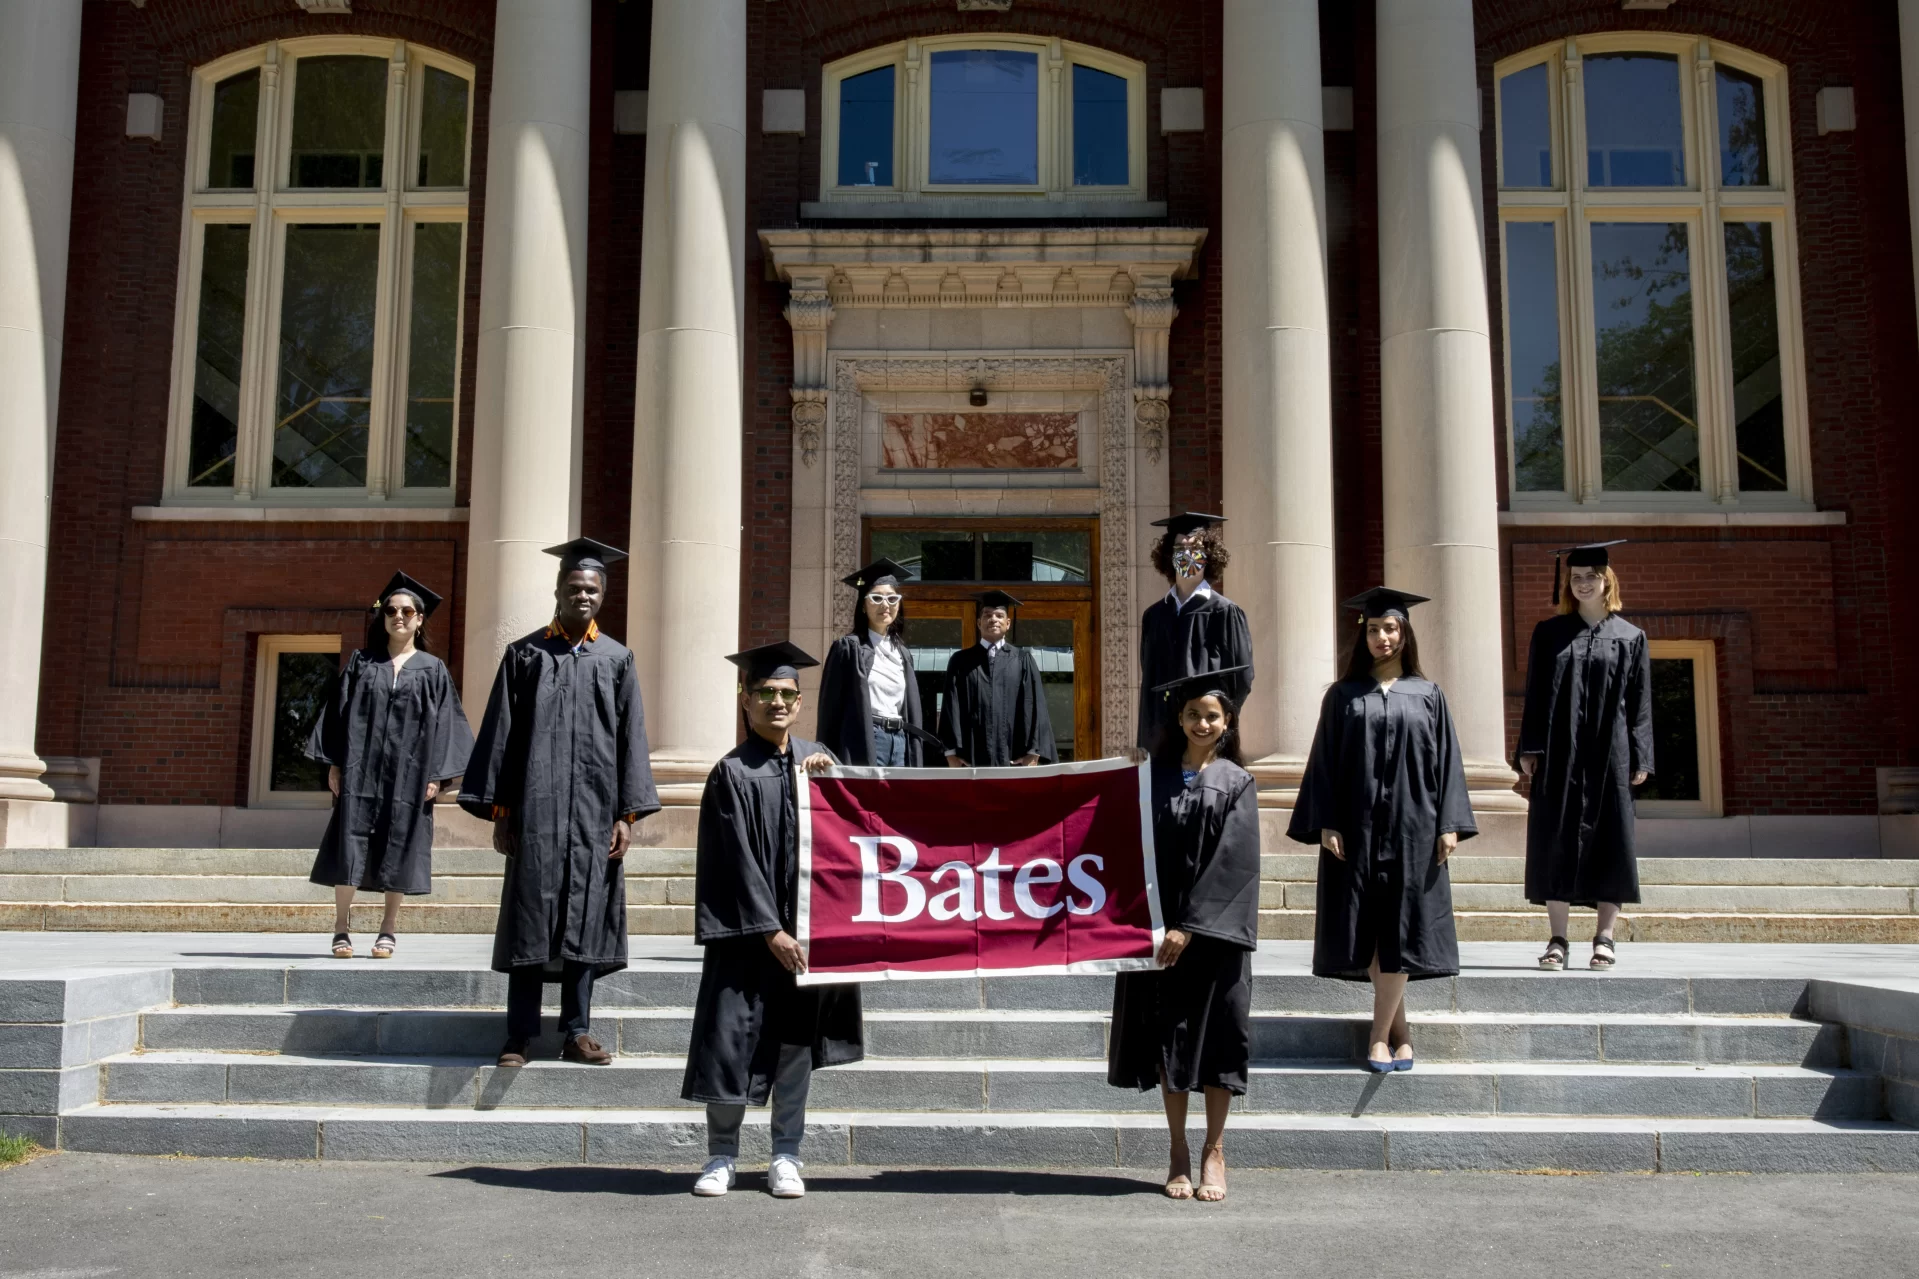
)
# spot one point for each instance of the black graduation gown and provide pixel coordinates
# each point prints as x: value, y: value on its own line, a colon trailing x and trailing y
x: 1194, y: 1019
x: 1385, y: 772
x: 1589, y: 719
x: 563, y: 749
x: 748, y: 888
x: 846, y: 710
x: 1209, y: 634
x: 389, y: 735
x: 995, y: 711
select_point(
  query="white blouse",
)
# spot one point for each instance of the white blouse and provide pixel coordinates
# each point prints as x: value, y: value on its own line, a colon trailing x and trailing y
x: 886, y: 684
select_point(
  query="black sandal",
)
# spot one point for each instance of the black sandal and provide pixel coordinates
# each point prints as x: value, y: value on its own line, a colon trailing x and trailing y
x: 384, y: 945
x: 1558, y: 951
x: 1606, y: 960
x: 342, y: 946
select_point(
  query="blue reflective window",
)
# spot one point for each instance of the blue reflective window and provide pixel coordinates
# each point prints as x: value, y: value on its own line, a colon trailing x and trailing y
x: 1525, y: 126
x: 1532, y: 354
x: 985, y: 118
x: 1742, y: 129
x: 1099, y: 128
x: 1635, y: 132
x: 866, y: 129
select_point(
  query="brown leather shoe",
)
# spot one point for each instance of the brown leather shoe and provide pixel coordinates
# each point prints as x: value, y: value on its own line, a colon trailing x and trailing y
x: 582, y: 1050
x: 513, y: 1054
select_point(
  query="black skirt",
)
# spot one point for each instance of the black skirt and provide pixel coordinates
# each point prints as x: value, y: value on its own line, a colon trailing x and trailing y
x: 1192, y: 1020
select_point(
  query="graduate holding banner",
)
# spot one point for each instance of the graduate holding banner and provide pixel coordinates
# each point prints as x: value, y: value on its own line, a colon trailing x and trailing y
x: 757, y: 1035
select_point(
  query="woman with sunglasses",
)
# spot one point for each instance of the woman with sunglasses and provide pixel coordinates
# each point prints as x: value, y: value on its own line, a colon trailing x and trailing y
x: 393, y: 734
x: 869, y: 693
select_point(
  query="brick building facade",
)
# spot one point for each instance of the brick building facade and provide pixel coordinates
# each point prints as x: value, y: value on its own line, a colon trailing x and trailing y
x: 160, y: 598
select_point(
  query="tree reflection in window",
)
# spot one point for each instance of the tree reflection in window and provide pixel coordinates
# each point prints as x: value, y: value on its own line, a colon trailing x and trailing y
x: 301, y: 684
x: 1642, y: 312
x: 325, y: 403
x: 1532, y: 329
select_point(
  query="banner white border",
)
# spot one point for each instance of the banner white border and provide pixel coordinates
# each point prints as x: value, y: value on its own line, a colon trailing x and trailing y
x: 804, y: 794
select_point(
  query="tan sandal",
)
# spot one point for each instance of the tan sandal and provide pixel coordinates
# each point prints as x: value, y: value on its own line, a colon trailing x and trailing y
x: 1180, y: 1188
x: 1211, y: 1192
x: 342, y: 946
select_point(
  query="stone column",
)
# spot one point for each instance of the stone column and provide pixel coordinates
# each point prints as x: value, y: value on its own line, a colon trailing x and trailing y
x: 1277, y: 425
x: 1441, y: 495
x: 531, y: 362
x: 683, y: 610
x: 39, y: 91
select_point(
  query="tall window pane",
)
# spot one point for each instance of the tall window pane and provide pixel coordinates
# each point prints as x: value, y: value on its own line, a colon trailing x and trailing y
x: 985, y: 117
x: 301, y: 684
x: 236, y: 106
x: 1642, y: 312
x: 215, y: 433
x: 1635, y: 133
x: 1742, y: 129
x: 1099, y: 128
x: 1525, y: 126
x: 325, y: 399
x: 433, y: 355
x: 1752, y: 312
x: 866, y: 129
x: 339, y: 122
x: 1532, y: 351
x: 1675, y: 731
x: 442, y: 129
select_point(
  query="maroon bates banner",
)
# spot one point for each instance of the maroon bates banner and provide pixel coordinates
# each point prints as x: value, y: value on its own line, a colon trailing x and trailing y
x: 919, y: 873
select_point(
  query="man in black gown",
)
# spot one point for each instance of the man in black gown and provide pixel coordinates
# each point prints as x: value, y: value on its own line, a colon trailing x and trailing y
x: 757, y: 1034
x: 561, y: 768
x: 995, y: 710
x: 1194, y: 629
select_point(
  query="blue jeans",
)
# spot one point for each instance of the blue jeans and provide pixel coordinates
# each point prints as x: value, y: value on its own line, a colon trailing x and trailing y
x: 889, y: 747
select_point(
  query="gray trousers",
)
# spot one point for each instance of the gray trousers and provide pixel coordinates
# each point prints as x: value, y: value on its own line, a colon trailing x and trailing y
x: 791, y: 1079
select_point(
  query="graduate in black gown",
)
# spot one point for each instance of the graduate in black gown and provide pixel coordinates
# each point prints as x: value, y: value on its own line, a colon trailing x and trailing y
x: 1194, y: 629
x: 1585, y: 741
x: 995, y: 710
x: 1384, y: 797
x: 757, y: 1034
x: 1185, y: 1027
x: 562, y: 769
x: 393, y: 733
x: 869, y: 709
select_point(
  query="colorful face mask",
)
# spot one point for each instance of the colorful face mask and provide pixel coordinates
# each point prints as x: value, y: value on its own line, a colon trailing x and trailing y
x: 1189, y: 562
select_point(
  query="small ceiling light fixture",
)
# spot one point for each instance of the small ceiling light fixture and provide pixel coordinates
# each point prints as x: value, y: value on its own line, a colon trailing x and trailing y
x: 977, y: 397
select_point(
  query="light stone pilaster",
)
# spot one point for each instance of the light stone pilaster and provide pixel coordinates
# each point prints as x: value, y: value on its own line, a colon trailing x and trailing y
x: 1277, y: 419
x: 530, y: 372
x: 1441, y: 502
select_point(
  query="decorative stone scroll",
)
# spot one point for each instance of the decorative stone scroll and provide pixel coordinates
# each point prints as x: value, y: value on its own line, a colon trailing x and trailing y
x: 1152, y: 313
x: 809, y: 310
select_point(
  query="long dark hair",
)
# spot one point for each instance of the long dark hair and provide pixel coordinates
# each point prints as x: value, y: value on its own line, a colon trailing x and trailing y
x: 376, y: 635
x: 1359, y: 662
x: 860, y: 625
x: 1171, y: 747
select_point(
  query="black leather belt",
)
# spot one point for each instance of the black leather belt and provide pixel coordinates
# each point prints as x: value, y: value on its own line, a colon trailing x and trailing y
x: 891, y: 723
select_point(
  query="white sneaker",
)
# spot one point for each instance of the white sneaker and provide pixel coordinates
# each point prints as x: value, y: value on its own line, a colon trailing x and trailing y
x: 716, y: 1178
x: 783, y: 1178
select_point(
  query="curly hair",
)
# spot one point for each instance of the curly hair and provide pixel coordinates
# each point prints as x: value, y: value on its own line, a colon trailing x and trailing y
x: 1211, y: 540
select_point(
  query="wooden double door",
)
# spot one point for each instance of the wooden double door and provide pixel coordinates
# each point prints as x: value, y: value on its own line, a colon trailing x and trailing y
x: 1055, y: 623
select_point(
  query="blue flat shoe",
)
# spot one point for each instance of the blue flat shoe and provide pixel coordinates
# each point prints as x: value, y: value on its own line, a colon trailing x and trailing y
x: 1402, y: 1063
x: 1380, y: 1067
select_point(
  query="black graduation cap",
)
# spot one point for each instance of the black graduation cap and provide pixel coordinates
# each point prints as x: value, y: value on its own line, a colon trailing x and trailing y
x: 771, y: 661
x: 1585, y: 555
x: 584, y: 552
x: 1187, y: 522
x: 996, y: 599
x: 1383, y: 601
x: 1187, y: 687
x: 402, y: 584
x: 881, y: 572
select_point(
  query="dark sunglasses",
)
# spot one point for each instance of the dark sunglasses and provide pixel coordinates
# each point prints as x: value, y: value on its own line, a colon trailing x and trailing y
x: 399, y: 610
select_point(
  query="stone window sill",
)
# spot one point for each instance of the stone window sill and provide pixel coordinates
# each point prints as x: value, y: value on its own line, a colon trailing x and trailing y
x: 1602, y: 517
x: 980, y: 209
x: 240, y: 513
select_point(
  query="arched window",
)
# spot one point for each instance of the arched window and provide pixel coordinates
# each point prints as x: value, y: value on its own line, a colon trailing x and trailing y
x: 317, y: 347
x: 966, y: 116
x: 1653, y: 354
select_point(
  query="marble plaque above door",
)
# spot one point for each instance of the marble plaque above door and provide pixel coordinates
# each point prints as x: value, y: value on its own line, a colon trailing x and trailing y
x: 980, y: 441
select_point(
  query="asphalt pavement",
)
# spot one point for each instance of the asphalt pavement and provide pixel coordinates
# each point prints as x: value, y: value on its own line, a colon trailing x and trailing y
x: 77, y: 1216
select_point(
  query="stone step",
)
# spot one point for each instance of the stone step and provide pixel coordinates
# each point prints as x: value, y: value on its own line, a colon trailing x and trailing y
x: 296, y: 862
x: 666, y: 983
x: 1433, y: 1088
x: 1007, y: 1035
x: 907, y: 1140
x: 644, y: 918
